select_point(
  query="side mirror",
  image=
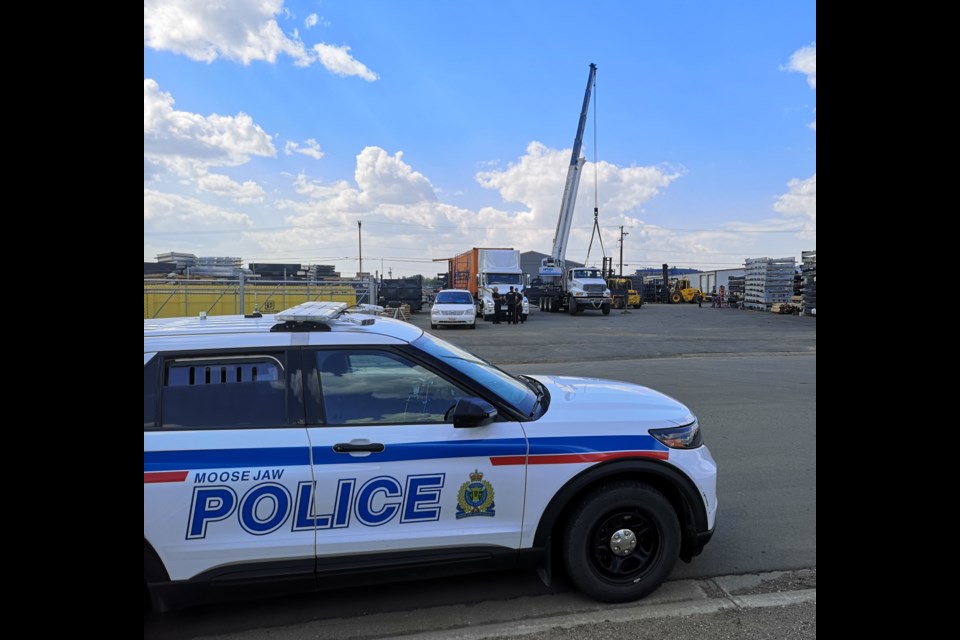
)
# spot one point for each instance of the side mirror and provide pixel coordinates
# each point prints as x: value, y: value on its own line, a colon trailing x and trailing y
x: 472, y: 412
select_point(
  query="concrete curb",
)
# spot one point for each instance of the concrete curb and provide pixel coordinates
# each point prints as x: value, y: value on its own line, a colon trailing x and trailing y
x: 633, y: 613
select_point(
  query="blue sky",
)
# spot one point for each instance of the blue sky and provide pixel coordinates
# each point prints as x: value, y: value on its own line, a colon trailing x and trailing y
x: 272, y: 126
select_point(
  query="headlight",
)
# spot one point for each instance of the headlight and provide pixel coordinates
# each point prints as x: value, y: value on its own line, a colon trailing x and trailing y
x: 686, y: 437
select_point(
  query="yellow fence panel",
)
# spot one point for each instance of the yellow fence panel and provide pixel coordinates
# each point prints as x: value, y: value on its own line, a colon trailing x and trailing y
x: 185, y: 298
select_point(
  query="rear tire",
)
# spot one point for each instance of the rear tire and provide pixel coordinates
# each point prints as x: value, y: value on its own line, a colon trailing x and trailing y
x: 621, y: 542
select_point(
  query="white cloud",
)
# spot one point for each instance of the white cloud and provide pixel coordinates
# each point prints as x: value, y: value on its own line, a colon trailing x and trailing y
x: 537, y: 182
x: 188, y: 143
x: 241, y: 30
x: 170, y: 211
x: 800, y: 203
x: 385, y: 179
x: 221, y: 185
x: 337, y: 60
x: 311, y: 149
x: 804, y: 60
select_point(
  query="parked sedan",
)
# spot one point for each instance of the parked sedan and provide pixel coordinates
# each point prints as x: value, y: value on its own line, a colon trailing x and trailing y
x: 453, y: 307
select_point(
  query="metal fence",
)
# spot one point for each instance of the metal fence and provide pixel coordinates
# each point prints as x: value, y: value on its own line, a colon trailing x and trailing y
x: 172, y: 298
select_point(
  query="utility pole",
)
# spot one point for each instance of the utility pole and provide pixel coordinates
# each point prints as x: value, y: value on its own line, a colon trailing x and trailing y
x: 360, y: 245
x: 622, y: 234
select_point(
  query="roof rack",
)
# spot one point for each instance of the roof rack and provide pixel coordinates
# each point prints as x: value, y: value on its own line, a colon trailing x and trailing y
x: 314, y: 316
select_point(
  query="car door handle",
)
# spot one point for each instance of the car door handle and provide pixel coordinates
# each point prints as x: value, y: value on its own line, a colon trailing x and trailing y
x: 350, y: 447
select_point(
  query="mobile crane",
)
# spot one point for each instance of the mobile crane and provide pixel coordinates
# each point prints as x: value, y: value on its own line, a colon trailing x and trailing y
x: 573, y: 289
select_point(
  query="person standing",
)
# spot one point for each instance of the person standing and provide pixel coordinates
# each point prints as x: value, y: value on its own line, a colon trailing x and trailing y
x: 497, y: 301
x: 511, y: 307
x: 720, y: 297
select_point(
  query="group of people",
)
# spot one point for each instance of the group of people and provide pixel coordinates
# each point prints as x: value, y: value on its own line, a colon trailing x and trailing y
x: 514, y: 300
x: 716, y: 301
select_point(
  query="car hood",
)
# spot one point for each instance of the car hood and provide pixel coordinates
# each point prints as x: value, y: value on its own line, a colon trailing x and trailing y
x: 602, y: 402
x: 452, y: 307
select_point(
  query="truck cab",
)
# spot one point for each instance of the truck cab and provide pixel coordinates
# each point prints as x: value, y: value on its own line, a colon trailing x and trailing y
x: 586, y: 289
x: 503, y: 281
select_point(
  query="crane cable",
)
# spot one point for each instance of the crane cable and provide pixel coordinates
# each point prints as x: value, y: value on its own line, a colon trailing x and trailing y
x: 596, y: 184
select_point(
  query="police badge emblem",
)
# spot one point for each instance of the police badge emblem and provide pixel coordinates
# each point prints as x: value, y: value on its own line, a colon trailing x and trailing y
x: 475, y: 497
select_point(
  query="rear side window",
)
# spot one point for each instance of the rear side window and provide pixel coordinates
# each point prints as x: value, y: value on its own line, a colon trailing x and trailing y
x: 226, y: 392
x: 150, y: 393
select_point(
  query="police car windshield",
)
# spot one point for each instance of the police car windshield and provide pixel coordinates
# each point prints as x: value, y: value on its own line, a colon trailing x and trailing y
x: 510, y: 389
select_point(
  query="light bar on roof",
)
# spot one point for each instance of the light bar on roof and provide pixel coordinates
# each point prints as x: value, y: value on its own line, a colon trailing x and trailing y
x: 313, y: 312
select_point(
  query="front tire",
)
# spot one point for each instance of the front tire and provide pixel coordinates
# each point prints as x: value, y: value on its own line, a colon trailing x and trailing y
x: 572, y: 308
x: 605, y: 309
x: 621, y: 542
x: 433, y: 325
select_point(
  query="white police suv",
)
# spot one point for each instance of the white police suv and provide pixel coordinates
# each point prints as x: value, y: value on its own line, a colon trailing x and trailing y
x: 323, y: 448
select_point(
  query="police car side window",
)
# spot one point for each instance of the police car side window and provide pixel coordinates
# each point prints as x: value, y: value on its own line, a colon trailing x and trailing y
x: 224, y: 392
x: 381, y: 387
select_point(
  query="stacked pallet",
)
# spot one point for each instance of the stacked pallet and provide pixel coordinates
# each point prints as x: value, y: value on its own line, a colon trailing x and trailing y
x: 808, y: 270
x: 400, y: 313
x: 768, y: 281
x: 322, y: 272
x: 180, y: 261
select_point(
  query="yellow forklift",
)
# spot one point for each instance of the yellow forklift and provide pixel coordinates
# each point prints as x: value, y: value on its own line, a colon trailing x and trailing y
x: 683, y: 292
x: 623, y: 293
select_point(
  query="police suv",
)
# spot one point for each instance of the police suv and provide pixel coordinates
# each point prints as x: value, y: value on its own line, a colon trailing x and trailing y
x: 322, y: 447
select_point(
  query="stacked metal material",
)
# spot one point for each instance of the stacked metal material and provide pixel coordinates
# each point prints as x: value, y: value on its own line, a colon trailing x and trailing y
x: 768, y: 281
x: 809, y: 271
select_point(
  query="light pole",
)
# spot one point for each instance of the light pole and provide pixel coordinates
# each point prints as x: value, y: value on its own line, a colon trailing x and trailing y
x: 622, y: 234
x: 360, y: 246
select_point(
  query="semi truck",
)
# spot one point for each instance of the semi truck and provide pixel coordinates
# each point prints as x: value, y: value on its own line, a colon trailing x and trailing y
x: 481, y: 269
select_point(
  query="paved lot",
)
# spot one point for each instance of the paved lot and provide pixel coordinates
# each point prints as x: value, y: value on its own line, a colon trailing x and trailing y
x: 653, y: 331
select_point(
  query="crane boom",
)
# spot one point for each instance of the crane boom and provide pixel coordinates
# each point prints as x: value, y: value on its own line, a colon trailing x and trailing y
x: 553, y: 266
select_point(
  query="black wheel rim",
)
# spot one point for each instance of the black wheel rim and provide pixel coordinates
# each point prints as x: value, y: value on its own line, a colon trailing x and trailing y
x: 624, y: 569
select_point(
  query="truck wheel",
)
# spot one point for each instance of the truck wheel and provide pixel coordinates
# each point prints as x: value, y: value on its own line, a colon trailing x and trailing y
x: 676, y: 297
x: 605, y: 308
x: 621, y: 542
x: 572, y: 308
x: 433, y: 325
